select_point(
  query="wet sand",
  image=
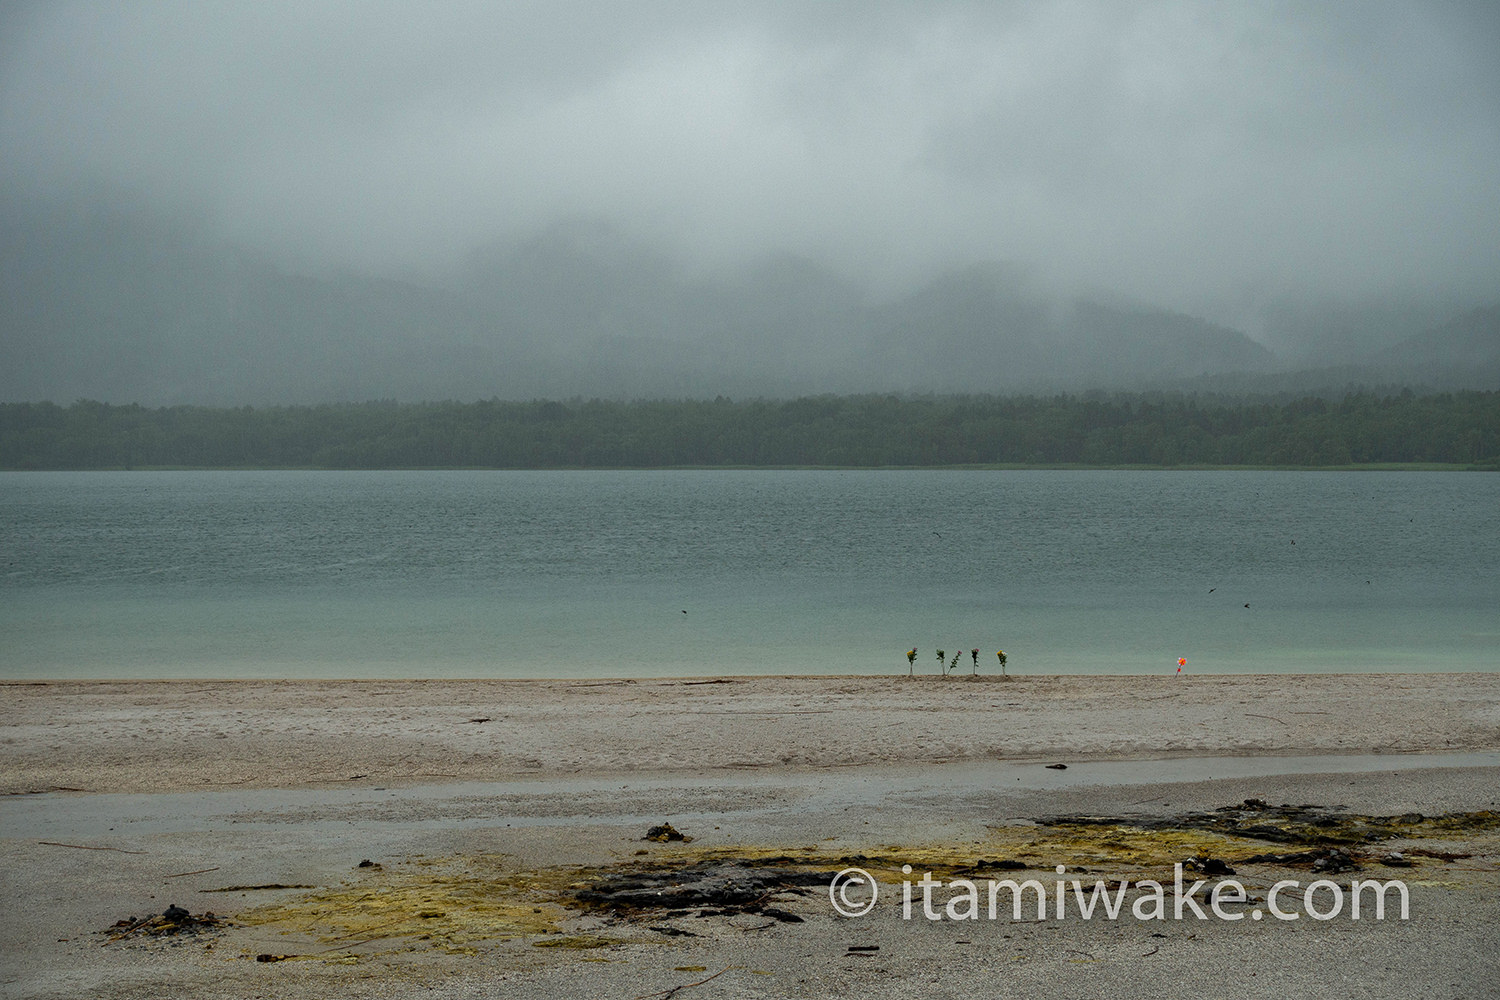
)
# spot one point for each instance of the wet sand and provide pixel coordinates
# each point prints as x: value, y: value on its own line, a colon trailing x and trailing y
x: 129, y: 796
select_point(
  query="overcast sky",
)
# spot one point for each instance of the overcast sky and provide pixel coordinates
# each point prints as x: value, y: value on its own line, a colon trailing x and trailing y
x: 1197, y: 154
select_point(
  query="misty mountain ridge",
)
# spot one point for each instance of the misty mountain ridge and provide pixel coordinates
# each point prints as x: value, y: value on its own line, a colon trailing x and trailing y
x: 1461, y: 354
x: 124, y: 309
x: 987, y: 321
x: 1471, y: 342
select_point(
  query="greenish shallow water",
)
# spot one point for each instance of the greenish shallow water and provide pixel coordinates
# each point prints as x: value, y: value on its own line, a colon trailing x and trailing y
x: 582, y: 574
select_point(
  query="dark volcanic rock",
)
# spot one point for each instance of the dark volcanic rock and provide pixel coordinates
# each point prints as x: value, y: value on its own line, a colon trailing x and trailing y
x: 736, y: 885
x: 1309, y: 825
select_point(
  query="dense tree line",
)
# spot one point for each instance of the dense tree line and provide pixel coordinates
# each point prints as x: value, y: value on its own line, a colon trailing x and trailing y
x: 874, y: 430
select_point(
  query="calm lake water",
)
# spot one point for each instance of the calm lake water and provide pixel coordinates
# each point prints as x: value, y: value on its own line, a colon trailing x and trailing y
x: 583, y: 574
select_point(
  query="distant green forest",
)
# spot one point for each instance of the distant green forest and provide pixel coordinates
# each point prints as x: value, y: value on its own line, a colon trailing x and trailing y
x: 1459, y: 428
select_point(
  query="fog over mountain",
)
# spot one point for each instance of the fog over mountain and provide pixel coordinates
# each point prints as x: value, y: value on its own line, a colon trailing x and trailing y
x: 278, y: 202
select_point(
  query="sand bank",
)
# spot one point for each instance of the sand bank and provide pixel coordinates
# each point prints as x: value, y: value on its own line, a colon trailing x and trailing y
x: 137, y: 736
x: 130, y: 796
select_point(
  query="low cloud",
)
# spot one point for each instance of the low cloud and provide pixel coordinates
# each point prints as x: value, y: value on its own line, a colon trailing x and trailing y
x: 1209, y: 157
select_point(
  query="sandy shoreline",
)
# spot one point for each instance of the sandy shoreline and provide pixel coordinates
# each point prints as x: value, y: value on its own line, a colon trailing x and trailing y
x: 126, y: 796
x: 140, y: 736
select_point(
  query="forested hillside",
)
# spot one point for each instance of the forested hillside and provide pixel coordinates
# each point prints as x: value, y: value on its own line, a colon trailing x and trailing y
x: 1099, y: 430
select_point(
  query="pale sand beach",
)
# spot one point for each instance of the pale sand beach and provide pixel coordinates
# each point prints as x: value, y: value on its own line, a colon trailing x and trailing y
x: 492, y: 810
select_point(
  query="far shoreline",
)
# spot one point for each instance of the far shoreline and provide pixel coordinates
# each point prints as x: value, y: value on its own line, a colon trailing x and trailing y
x: 726, y: 678
x: 39, y: 680
x: 979, y: 467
